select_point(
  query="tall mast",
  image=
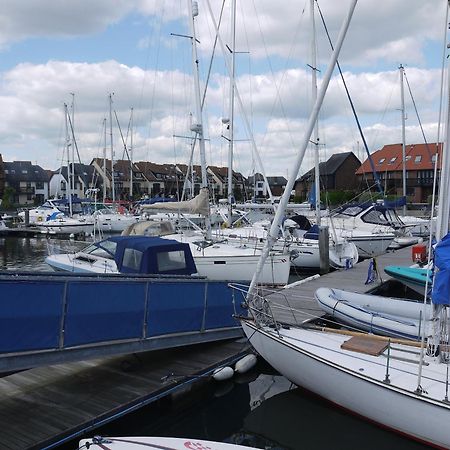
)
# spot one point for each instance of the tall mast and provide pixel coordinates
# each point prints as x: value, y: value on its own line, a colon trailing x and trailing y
x: 274, y: 229
x: 231, y: 122
x: 104, y: 161
x: 113, y: 187
x: 69, y: 179
x: 72, y: 129
x: 131, y: 155
x: 198, y: 126
x: 315, y: 139
x: 402, y: 96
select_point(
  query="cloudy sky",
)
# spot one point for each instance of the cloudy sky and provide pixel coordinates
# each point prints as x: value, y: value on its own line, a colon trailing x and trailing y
x: 57, y: 52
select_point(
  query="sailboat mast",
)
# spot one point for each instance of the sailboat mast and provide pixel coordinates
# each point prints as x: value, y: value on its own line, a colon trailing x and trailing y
x: 72, y: 128
x: 402, y: 96
x: 274, y: 229
x: 231, y: 123
x: 104, y: 161
x: 113, y: 190
x: 315, y: 139
x: 198, y: 127
x: 131, y: 155
x: 69, y: 180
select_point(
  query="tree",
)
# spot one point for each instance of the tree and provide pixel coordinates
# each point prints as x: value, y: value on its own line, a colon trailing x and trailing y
x: 8, y: 198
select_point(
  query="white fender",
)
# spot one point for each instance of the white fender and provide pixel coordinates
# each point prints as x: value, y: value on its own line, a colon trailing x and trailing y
x: 246, y: 363
x: 223, y: 373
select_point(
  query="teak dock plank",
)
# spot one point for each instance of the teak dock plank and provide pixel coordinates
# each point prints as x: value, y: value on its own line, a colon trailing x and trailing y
x: 43, y: 406
x: 301, y: 297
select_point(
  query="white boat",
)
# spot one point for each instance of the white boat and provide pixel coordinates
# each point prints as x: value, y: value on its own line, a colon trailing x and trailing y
x: 401, y: 385
x: 66, y: 226
x: 387, y: 316
x: 303, y: 250
x: 371, y: 227
x: 162, y: 443
x: 383, y: 387
x: 49, y: 209
x: 213, y: 260
x: 107, y: 220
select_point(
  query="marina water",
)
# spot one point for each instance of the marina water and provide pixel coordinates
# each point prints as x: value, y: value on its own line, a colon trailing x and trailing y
x: 260, y: 409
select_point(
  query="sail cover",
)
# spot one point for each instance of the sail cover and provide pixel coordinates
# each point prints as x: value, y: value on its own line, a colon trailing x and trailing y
x: 197, y: 205
x: 441, y: 288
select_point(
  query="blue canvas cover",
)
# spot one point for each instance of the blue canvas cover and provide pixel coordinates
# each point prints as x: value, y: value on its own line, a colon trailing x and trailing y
x: 312, y: 233
x: 441, y: 288
x: 153, y: 255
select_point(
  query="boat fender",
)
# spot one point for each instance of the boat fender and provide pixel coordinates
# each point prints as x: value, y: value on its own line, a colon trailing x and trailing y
x: 223, y: 373
x: 245, y: 364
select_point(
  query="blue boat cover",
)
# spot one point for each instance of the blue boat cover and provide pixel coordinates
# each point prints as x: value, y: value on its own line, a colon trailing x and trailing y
x: 153, y: 255
x: 312, y: 233
x: 441, y: 288
x: 391, y: 204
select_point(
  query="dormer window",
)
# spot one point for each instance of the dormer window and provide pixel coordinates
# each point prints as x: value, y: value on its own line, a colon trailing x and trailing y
x: 418, y: 158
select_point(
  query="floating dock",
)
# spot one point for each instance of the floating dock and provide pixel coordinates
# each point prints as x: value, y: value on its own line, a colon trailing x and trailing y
x: 296, y: 303
x: 44, y: 407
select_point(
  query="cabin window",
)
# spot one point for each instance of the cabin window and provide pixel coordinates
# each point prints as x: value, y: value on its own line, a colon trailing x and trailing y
x: 173, y: 260
x: 132, y: 259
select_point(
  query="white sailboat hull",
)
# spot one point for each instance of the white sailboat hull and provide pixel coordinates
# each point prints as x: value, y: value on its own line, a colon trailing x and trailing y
x: 354, y: 381
x: 67, y: 226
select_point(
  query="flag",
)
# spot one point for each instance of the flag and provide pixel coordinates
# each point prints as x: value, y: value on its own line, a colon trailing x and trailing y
x: 372, y: 273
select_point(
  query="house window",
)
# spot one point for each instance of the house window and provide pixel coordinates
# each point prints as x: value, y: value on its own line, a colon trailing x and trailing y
x: 6, y: 171
x: 433, y: 158
x: 418, y: 158
x: 39, y: 185
x: 382, y: 160
x: 24, y: 171
x: 392, y: 160
x: 408, y: 157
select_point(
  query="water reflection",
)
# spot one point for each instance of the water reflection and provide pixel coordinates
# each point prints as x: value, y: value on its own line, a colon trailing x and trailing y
x: 28, y: 253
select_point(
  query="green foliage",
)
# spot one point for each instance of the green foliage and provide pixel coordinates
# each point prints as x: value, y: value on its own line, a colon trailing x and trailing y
x: 8, y: 198
x: 335, y: 198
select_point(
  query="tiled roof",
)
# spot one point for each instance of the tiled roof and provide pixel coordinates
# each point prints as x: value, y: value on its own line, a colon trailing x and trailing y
x: 389, y: 158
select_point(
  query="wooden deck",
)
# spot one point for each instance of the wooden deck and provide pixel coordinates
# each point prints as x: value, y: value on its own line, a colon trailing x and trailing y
x: 296, y: 304
x: 40, y: 408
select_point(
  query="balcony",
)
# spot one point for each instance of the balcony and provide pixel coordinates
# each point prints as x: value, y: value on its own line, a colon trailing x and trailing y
x: 27, y: 190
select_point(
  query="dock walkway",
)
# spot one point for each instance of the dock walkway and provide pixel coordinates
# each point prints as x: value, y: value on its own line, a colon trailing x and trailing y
x: 43, y: 407
x: 296, y: 304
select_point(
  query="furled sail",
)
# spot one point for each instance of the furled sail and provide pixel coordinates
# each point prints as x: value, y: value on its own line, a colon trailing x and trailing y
x: 197, y: 205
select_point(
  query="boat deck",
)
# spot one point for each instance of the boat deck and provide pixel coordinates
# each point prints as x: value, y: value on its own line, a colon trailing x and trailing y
x: 42, y: 407
x: 296, y: 304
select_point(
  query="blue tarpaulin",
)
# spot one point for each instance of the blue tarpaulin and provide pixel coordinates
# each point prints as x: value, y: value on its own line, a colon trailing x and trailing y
x: 395, y: 203
x: 441, y: 288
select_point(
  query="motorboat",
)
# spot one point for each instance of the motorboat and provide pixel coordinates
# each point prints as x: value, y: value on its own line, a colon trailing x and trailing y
x: 67, y: 226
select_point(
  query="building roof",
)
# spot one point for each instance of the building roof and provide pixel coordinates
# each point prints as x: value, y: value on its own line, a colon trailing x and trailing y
x: 277, y: 181
x: 222, y: 173
x: 17, y: 171
x: 389, y: 158
x: 330, y: 166
x: 83, y: 171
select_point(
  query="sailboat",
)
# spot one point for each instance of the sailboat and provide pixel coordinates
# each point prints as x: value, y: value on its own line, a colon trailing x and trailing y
x: 395, y: 383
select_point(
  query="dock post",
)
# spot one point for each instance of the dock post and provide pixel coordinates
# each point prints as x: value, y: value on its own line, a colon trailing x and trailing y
x: 27, y: 217
x: 324, y: 244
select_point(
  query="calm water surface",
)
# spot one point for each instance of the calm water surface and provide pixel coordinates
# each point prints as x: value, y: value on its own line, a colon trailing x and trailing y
x: 260, y: 409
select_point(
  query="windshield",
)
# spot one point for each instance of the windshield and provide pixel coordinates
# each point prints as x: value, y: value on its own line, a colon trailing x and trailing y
x: 105, y: 249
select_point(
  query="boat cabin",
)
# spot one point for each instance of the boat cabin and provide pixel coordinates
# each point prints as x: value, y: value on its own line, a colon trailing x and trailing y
x: 145, y: 255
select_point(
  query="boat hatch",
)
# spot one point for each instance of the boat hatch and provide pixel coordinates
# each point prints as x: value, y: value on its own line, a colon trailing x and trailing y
x: 365, y: 344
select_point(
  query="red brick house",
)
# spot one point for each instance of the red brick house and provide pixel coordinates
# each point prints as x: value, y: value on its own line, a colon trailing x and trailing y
x: 419, y: 163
